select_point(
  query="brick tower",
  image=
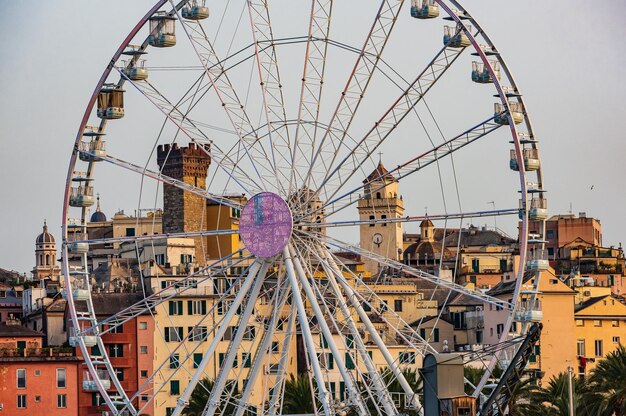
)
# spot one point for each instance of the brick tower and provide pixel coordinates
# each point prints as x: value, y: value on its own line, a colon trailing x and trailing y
x: 183, y: 211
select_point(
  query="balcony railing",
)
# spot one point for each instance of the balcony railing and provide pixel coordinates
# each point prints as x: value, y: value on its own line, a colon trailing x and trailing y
x: 37, y: 352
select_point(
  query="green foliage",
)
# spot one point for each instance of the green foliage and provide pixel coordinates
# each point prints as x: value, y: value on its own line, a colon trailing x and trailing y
x: 608, y: 384
x: 200, y: 397
x: 297, y: 396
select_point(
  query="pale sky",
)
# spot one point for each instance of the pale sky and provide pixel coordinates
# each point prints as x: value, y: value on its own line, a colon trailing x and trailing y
x: 567, y: 57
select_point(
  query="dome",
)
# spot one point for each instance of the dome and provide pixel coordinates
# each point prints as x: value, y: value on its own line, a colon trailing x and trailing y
x: 98, y: 216
x: 45, y: 236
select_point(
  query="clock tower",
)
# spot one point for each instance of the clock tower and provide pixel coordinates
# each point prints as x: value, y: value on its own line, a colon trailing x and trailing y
x: 379, y: 202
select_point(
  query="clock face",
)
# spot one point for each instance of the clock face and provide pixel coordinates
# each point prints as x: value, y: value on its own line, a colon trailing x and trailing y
x: 377, y: 239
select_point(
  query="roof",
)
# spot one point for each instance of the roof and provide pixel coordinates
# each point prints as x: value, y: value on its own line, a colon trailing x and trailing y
x: 507, y: 287
x: 45, y: 236
x: 589, y: 302
x: 379, y: 173
x: 474, y: 236
x: 426, y: 223
x: 465, y: 300
x: 11, y: 331
x: 110, y: 303
x: 98, y: 215
x: 422, y: 321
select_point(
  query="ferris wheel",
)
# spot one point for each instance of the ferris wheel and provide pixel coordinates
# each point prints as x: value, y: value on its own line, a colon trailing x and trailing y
x: 268, y: 171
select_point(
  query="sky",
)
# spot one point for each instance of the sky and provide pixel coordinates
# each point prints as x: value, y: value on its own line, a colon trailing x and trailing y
x: 568, y: 59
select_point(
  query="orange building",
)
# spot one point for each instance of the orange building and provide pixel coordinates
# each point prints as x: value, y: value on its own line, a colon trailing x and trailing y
x: 130, y: 348
x: 35, y: 380
x: 564, y: 228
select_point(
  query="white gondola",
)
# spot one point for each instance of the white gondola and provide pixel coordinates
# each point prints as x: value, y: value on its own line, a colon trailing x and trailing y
x: 424, y: 9
x: 531, y: 159
x: 89, y: 340
x: 455, y: 37
x: 501, y: 116
x: 195, y: 10
x: 77, y: 294
x: 480, y: 73
x: 537, y: 208
x: 91, y: 151
x: 162, y: 30
x: 137, y: 71
x: 110, y: 102
x: 76, y: 243
x: 81, y: 196
x: 89, y: 384
x: 537, y: 260
x: 529, y: 307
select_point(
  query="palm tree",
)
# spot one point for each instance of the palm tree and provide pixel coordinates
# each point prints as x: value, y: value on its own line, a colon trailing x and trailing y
x: 524, y: 400
x: 555, y: 397
x: 608, y: 382
x: 200, y: 397
x: 297, y: 396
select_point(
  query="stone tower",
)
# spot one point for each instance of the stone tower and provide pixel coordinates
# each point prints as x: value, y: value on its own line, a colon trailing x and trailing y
x: 46, y: 267
x: 380, y: 201
x: 183, y: 211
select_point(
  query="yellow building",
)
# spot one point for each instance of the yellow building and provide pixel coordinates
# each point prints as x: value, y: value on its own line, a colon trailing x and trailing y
x: 600, y: 328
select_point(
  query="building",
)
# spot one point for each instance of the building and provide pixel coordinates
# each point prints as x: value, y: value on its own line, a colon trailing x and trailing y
x: 33, y: 379
x: 10, y: 302
x: 562, y: 229
x: 46, y: 268
x: 600, y: 327
x: 379, y: 202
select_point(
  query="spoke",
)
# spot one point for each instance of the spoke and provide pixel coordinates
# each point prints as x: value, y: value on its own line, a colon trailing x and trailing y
x: 152, y: 301
x: 195, y: 134
x: 228, y: 97
x: 418, y: 163
x: 358, y: 82
x: 154, y: 237
x: 233, y: 348
x: 312, y: 83
x: 383, y: 128
x: 168, y: 180
x: 271, y: 86
x: 322, y: 393
x: 446, y: 284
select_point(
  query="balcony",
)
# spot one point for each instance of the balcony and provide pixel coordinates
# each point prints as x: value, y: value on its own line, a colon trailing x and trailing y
x: 37, y: 352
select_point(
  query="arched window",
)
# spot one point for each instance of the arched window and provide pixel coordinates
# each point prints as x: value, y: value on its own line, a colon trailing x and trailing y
x: 47, y: 259
x: 41, y: 259
x: 377, y: 195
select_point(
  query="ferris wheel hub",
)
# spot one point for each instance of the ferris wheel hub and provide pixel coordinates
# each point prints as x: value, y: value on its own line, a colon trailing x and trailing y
x: 265, y: 224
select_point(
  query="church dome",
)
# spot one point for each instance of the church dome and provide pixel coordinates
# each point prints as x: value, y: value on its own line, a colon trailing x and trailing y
x: 45, y: 237
x: 98, y: 216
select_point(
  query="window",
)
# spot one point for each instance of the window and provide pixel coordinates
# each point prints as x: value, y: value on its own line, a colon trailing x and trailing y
x: 349, y: 361
x: 198, y: 334
x: 37, y: 373
x: 144, y: 398
x: 580, y: 347
x: 500, y: 329
x: 169, y: 411
x: 221, y: 357
x: 350, y: 341
x: 397, y: 305
x: 61, y: 401
x: 366, y: 307
x: 21, y: 378
x: 116, y: 350
x: 407, y: 357
x: 186, y: 258
x: 384, y: 217
x: 196, y: 307
x: 436, y: 335
x: 615, y: 324
x: 174, y: 361
x: 384, y: 306
x: 616, y: 340
x: 372, y: 218
x: 143, y: 325
x: 250, y: 333
x: 115, y: 328
x: 144, y: 373
x: 580, y: 322
x: 274, y: 348
x: 130, y: 232
x: 143, y: 349
x: 597, y: 322
x: 97, y: 400
x: 160, y: 260
x: 119, y: 373
x: 21, y: 401
x: 175, y: 307
x: 175, y: 387
x: 197, y: 359
x: 173, y: 333
x: 550, y: 234
x: 599, y: 348
x: 37, y: 399
x: 61, y: 383
x: 246, y: 359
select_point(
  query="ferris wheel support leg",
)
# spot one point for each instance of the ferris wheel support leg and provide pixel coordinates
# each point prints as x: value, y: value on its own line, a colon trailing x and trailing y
x: 379, y: 387
x: 216, y: 393
x: 378, y: 340
x: 306, y: 333
x: 317, y: 311
x: 217, y: 338
x: 261, y: 352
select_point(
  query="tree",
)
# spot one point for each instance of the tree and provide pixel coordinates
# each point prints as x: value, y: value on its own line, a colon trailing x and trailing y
x: 608, y: 383
x: 555, y: 397
x: 297, y: 396
x: 200, y: 397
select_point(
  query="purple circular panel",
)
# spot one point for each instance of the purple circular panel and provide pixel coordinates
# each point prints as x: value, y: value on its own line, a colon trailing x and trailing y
x: 265, y: 224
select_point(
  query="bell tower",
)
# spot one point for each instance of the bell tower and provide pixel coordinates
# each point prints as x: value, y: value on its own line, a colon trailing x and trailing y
x: 183, y: 211
x: 46, y: 267
x: 379, y: 202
